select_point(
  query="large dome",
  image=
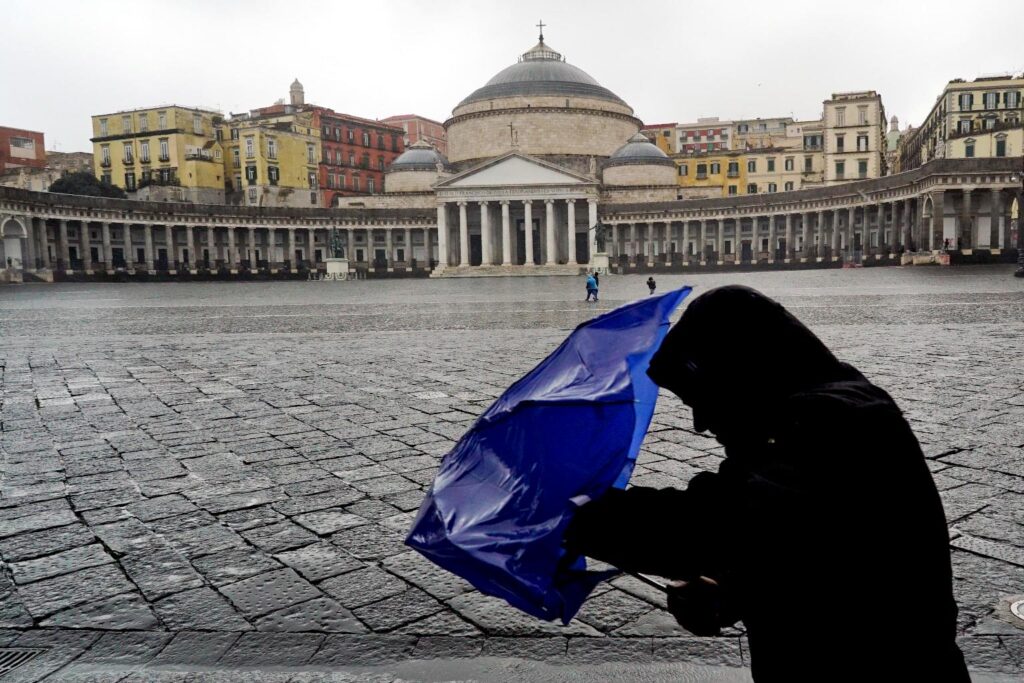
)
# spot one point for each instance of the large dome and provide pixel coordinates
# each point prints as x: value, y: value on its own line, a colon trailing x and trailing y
x: 542, y: 71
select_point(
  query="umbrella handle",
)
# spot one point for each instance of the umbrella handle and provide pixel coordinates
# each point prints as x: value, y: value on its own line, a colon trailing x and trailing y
x: 649, y: 581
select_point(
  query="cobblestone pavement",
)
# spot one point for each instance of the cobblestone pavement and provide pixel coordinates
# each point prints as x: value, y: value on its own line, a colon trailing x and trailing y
x: 220, y: 475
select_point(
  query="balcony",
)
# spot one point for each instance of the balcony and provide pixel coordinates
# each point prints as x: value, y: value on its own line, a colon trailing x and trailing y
x: 129, y: 162
x: 144, y: 160
x: 702, y: 176
x: 105, y: 163
x: 732, y: 174
x: 164, y: 158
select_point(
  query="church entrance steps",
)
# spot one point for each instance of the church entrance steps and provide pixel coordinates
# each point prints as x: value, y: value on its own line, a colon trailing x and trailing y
x: 509, y: 271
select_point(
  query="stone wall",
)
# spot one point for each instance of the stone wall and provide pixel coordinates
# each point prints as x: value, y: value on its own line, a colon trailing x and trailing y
x: 411, y: 181
x: 405, y: 200
x: 641, y: 174
x: 539, y: 132
x: 626, y: 194
x: 534, y: 101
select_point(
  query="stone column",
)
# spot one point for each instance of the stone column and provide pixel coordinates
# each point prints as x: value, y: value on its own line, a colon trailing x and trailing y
x: 232, y: 258
x: 389, y: 257
x: 293, y: 264
x: 251, y: 248
x: 169, y: 246
x: 506, y: 234
x: 83, y: 239
x: 428, y: 249
x: 190, y: 245
x: 894, y: 238
x: 44, y: 243
x: 938, y: 218
x: 442, y: 235
x: 615, y: 241
x: 350, y: 245
x: 528, y: 226
x: 486, y: 258
x: 806, y: 248
x: 273, y: 260
x: 463, y: 235
x: 108, y: 254
x: 633, y: 244
x: 907, y: 225
x: 63, y: 250
x: 147, y: 233
x: 651, y: 241
x: 686, y: 242
x: 28, y: 259
x: 126, y: 238
x: 591, y: 222
x: 407, y: 236
x: 818, y: 251
x: 720, y: 240
x: 995, y: 221
x: 966, y: 231
x: 551, y: 245
x: 788, y: 255
x: 311, y: 249
x: 211, y: 246
x: 570, y: 230
x: 773, y: 245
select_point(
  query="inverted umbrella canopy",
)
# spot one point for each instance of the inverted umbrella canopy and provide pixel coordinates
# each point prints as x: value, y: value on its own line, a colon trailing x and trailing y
x: 563, y: 434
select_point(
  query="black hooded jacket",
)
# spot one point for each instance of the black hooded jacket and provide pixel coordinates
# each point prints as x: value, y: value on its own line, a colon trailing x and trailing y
x: 823, y: 526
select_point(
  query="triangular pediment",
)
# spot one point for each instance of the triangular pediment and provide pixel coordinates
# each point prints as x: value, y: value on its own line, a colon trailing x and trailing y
x: 511, y: 170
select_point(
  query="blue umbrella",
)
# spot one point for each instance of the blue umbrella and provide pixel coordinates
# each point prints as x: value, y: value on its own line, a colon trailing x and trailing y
x: 563, y: 434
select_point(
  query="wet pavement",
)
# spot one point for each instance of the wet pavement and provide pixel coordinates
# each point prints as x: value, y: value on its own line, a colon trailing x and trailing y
x: 216, y: 477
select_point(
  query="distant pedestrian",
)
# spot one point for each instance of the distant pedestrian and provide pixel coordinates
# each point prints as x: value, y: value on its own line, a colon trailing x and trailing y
x: 591, y: 288
x: 651, y: 284
x: 597, y: 279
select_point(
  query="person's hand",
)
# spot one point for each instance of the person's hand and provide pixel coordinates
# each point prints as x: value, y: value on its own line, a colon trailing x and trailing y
x: 697, y: 605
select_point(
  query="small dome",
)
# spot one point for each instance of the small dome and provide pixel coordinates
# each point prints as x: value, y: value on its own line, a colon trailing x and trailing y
x: 639, y: 150
x: 419, y: 156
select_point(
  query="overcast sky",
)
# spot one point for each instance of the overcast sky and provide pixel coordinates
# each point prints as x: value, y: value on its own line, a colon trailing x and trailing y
x: 62, y: 61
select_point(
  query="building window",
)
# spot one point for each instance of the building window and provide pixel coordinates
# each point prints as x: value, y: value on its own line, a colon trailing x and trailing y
x: 252, y: 195
x: 369, y: 185
x: 105, y: 155
x: 788, y: 164
x: 312, y: 198
x: 702, y: 171
x: 1001, y: 146
x: 219, y: 134
x: 752, y: 166
x: 840, y: 169
x: 332, y: 181
x: 862, y: 168
x: 752, y: 188
x: 862, y: 116
x: 236, y: 161
x: 991, y: 100
x: 351, y: 135
x: 129, y: 154
x: 129, y: 181
x: 126, y: 125
x: 969, y: 148
x: 341, y: 181
x: 366, y: 139
x: 165, y: 154
x: 143, y: 123
x: 771, y: 165
x: 161, y: 117
x: 966, y: 101
x: 197, y: 124
x: 380, y: 163
x: 103, y: 126
x: 380, y: 141
x: 310, y: 153
x: 234, y: 133
x: 840, y: 143
x: 271, y: 148
x: 862, y: 142
x: 683, y: 170
x: 313, y: 181
x: 337, y: 133
x: 734, y: 169
x: 394, y: 143
x: 105, y: 177
x: 273, y: 174
x: 355, y: 183
x: 789, y: 186
x: 144, y: 151
x: 1011, y: 99
x: 716, y: 168
x: 250, y: 147
x: 840, y: 116
x: 732, y: 190
x: 772, y: 187
x: 964, y: 125
x: 250, y: 174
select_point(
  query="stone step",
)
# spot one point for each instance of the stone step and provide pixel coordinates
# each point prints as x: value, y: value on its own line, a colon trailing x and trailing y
x: 509, y: 271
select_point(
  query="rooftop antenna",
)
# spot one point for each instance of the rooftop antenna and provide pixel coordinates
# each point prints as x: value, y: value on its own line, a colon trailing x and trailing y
x: 541, y: 25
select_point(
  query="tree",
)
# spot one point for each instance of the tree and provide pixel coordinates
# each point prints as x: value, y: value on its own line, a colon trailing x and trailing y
x: 85, y: 183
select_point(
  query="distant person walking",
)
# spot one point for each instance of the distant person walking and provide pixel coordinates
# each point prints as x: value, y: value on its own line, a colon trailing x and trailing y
x: 597, y: 279
x: 591, y: 287
x: 651, y: 284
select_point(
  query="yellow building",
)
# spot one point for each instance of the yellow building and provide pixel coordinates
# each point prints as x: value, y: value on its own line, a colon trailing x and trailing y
x: 160, y: 153
x: 663, y: 135
x: 703, y: 176
x: 272, y: 157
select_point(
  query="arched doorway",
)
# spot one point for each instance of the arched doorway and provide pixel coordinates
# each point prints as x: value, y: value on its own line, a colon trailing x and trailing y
x: 12, y: 231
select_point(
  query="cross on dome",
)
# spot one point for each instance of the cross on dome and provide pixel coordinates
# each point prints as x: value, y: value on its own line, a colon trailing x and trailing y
x: 541, y: 25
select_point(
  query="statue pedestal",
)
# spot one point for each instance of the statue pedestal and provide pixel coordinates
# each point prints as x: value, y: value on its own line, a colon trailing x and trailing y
x: 600, y: 263
x: 337, y: 268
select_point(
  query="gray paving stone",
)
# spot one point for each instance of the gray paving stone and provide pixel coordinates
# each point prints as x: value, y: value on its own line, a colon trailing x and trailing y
x: 48, y: 596
x: 361, y: 587
x: 269, y: 592
x: 322, y: 615
x: 424, y: 574
x: 36, y: 522
x: 495, y: 617
x: 353, y: 650
x: 229, y: 566
x: 398, y: 610
x: 125, y: 612
x: 326, y: 522
x: 193, y: 649
x: 253, y: 650
x: 120, y: 649
x: 60, y: 563
x: 319, y: 561
x: 159, y: 572
x: 201, y: 608
x: 275, y: 538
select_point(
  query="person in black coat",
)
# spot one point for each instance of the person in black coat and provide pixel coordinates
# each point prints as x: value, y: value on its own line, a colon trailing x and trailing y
x: 822, y: 529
